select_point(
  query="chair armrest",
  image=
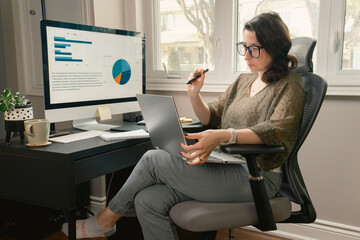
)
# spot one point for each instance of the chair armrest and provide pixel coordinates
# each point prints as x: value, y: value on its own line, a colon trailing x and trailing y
x: 245, y: 149
x: 264, y: 212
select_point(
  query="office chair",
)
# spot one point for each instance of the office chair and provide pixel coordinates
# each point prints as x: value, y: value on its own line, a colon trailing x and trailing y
x: 302, y: 48
x: 263, y: 213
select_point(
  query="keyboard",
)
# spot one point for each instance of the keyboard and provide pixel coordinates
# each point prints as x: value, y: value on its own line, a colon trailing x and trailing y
x: 76, y: 136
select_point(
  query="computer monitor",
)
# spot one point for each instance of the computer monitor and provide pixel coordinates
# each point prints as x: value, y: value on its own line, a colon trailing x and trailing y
x: 87, y: 68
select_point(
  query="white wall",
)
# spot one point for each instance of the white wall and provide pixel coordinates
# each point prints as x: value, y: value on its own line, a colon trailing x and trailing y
x: 8, y: 76
x: 106, y: 16
x: 9, y: 44
x: 330, y: 160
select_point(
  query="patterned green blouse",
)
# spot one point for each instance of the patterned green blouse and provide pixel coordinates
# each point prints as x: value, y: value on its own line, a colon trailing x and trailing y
x: 274, y: 113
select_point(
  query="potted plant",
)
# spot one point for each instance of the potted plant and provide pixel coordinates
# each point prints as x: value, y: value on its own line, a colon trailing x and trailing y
x: 16, y: 109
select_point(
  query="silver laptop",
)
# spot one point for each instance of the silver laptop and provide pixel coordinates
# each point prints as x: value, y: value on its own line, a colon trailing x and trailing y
x: 164, y: 127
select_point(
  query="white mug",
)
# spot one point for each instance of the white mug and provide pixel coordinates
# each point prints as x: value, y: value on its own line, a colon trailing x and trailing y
x: 37, y: 131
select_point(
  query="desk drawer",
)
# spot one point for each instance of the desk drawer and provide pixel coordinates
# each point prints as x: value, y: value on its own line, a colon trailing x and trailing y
x: 39, y: 181
x: 102, y: 164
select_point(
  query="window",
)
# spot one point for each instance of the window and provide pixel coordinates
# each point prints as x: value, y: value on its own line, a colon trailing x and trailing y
x: 185, y: 34
x: 186, y: 31
x: 167, y: 22
x: 301, y: 17
x: 351, y: 47
x: 340, y: 49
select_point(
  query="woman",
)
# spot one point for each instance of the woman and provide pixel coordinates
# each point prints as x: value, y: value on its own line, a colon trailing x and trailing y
x: 262, y: 107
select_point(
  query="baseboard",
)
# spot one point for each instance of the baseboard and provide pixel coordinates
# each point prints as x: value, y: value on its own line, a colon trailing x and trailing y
x: 97, y: 204
x: 319, y: 230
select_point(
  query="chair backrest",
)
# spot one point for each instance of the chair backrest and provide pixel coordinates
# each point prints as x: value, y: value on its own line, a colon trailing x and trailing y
x: 293, y: 185
x: 302, y: 48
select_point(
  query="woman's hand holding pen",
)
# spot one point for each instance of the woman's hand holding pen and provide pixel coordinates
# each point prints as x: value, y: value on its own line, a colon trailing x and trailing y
x: 195, y: 83
x: 193, y: 88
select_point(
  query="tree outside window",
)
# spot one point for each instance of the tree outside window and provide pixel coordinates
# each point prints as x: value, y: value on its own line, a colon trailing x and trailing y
x: 192, y: 31
x: 351, y: 46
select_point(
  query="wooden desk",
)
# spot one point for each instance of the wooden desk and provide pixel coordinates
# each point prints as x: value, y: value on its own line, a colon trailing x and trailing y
x: 47, y: 176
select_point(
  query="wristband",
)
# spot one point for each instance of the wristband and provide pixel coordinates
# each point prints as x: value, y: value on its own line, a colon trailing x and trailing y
x: 233, y: 136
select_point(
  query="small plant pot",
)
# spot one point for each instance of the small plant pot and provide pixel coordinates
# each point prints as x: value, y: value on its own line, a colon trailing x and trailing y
x: 14, y: 120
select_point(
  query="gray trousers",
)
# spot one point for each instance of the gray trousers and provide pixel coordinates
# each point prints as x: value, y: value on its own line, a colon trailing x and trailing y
x: 160, y: 180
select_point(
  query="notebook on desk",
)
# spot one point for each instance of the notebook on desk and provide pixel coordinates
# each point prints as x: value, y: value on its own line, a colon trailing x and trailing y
x: 162, y: 122
x: 135, y: 134
x: 74, y: 137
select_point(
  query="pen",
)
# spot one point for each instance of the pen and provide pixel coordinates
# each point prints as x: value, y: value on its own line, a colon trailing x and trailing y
x: 58, y: 134
x: 196, y: 77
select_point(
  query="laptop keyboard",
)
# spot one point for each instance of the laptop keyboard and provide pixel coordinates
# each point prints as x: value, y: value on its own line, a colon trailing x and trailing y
x: 225, y: 158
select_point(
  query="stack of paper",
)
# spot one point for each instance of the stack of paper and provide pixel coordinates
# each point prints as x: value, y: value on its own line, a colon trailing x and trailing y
x: 124, y: 135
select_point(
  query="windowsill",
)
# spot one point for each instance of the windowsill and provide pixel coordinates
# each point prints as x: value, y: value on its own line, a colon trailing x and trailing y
x: 161, y: 84
x: 336, y: 89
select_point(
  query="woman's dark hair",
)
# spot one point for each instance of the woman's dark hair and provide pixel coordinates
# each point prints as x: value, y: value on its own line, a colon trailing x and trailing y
x: 272, y: 33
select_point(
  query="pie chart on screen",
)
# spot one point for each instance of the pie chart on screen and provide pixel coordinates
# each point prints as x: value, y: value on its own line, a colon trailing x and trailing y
x: 121, y: 71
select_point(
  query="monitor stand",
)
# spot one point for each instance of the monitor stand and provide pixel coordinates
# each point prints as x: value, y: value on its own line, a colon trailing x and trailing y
x: 91, y: 124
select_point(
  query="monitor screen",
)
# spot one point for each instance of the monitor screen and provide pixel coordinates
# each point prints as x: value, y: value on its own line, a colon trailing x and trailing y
x: 87, y: 67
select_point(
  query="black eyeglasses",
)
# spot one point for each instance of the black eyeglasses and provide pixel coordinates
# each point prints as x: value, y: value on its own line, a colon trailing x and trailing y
x: 253, y: 49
